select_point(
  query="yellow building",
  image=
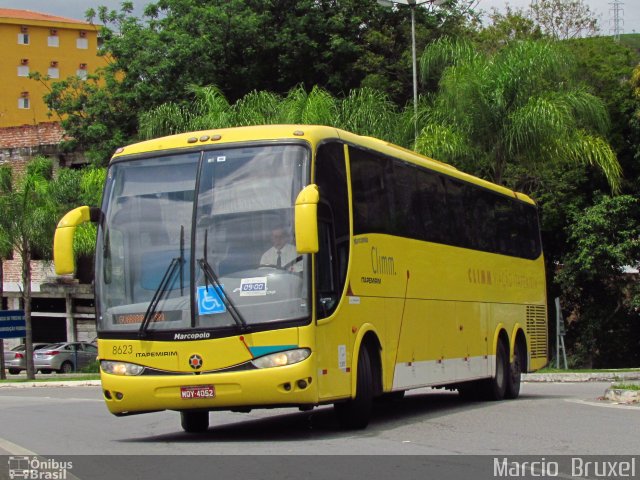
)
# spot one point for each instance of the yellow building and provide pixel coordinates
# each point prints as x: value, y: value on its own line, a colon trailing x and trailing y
x: 53, y: 46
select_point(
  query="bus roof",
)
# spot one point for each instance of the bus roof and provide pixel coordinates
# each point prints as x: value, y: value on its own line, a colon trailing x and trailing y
x: 311, y: 133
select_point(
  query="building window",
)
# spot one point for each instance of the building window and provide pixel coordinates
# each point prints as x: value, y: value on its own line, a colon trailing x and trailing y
x: 23, y: 101
x: 23, y: 68
x: 53, y: 40
x: 82, y: 73
x: 82, y: 42
x: 54, y: 71
x: 23, y: 38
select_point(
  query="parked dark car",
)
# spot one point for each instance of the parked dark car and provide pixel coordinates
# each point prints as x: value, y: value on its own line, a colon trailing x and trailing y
x: 65, y: 357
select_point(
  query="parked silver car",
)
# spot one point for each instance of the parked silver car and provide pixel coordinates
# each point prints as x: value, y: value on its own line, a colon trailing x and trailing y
x: 65, y: 357
x: 14, y: 359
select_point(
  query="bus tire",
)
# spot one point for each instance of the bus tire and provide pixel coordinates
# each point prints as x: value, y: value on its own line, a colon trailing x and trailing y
x: 196, y: 421
x: 496, y: 387
x: 515, y: 372
x: 355, y: 413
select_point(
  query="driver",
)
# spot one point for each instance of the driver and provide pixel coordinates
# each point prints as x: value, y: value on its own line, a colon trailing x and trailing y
x: 282, y: 254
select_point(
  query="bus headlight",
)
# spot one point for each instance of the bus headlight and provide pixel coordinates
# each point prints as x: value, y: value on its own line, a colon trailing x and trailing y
x: 120, y: 368
x: 281, y: 359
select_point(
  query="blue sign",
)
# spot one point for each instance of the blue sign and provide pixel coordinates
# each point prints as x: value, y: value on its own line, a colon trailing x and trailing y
x: 210, y: 300
x: 12, y: 324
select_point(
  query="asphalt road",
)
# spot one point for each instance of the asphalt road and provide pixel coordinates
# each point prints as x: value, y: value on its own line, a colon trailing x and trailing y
x: 549, y: 418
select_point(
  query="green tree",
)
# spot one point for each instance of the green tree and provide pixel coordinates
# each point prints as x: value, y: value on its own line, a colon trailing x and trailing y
x: 605, y: 66
x: 95, y: 113
x: 503, y: 28
x: 364, y: 110
x: 516, y: 107
x: 240, y: 46
x: 29, y: 218
x: 634, y: 124
x: 604, y: 244
x: 5, y: 243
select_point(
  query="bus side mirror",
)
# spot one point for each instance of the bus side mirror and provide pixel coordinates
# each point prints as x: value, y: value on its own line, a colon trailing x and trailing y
x: 63, y: 258
x: 306, y: 219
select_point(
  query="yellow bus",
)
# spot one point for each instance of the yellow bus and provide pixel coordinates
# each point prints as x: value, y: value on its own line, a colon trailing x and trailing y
x: 298, y: 265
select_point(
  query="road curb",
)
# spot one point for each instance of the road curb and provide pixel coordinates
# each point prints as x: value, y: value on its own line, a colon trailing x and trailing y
x: 620, y: 395
x: 581, y: 377
x: 52, y: 383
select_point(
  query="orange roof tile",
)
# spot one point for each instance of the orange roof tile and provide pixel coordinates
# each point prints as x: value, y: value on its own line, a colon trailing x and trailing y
x: 29, y: 15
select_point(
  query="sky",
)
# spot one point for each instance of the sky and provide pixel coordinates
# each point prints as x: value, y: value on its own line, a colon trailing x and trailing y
x: 76, y: 8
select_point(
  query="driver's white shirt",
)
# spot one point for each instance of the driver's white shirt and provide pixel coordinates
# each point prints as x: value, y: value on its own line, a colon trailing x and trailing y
x: 288, y: 254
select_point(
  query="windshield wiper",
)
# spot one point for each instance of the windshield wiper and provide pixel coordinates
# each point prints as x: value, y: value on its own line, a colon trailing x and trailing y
x: 177, y: 264
x: 211, y: 277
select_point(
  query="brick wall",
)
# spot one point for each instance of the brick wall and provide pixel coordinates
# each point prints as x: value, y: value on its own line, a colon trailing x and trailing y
x: 20, y: 144
x: 40, y: 271
x: 31, y: 137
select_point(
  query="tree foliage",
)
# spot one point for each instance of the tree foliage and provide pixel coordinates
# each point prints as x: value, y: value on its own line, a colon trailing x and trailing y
x: 512, y: 25
x: 364, y: 110
x: 517, y: 106
x: 28, y: 215
x: 241, y: 47
x: 603, y: 246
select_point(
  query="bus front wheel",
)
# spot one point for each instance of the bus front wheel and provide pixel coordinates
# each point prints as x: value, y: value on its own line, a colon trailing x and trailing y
x: 194, y: 421
x: 355, y: 413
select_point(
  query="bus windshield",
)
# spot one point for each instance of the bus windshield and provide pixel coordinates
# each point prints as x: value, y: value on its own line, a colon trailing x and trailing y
x: 202, y: 240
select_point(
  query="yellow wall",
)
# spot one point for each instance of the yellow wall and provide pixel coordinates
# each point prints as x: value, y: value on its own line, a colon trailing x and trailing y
x: 40, y: 56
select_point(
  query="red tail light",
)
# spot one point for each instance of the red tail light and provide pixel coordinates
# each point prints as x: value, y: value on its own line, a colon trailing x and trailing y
x: 19, y: 356
x: 52, y: 353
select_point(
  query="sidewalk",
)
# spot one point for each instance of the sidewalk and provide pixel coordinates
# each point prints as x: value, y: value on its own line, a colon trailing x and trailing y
x: 615, y: 395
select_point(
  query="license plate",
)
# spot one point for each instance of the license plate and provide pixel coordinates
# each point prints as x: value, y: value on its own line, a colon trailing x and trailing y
x: 200, y: 391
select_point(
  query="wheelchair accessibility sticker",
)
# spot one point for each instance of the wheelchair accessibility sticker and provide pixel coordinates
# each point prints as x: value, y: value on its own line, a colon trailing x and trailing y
x: 210, y: 300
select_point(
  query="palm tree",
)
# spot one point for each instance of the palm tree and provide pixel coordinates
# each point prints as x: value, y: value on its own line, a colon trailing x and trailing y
x: 518, y: 106
x: 365, y: 111
x: 5, y: 244
x: 29, y: 218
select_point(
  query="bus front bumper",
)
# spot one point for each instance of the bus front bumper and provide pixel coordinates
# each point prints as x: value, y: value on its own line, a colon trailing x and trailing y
x: 292, y: 385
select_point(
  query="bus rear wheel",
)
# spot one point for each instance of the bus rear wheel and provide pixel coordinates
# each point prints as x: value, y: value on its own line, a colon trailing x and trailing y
x: 194, y: 421
x: 515, y: 372
x: 355, y: 413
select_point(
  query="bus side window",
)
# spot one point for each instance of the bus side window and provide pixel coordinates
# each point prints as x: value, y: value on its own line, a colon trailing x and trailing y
x: 333, y: 226
x: 327, y: 266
